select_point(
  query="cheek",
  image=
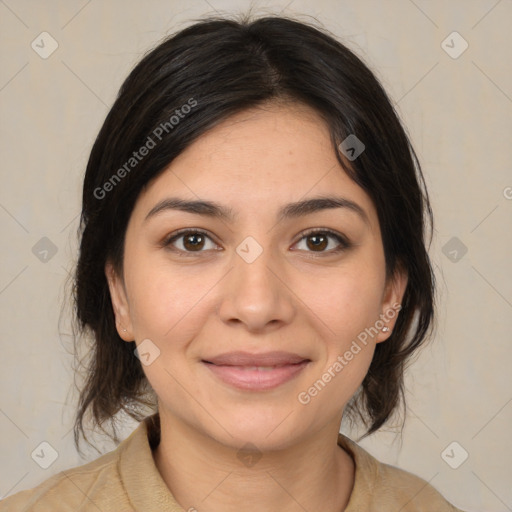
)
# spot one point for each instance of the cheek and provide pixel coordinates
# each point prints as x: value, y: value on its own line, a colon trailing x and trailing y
x: 348, y: 302
x: 345, y: 313
x: 164, y: 308
x: 167, y: 304
x: 159, y: 302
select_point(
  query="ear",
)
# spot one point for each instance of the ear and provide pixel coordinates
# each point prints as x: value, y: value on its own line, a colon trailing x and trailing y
x: 119, y: 303
x: 392, y: 302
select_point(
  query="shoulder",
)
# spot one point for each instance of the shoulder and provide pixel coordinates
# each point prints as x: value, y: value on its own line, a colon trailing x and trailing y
x: 410, y: 491
x: 382, y: 487
x: 80, y: 488
x: 123, y: 480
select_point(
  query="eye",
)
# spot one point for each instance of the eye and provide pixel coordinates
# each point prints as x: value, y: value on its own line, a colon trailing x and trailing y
x: 195, y: 241
x: 190, y: 240
x: 319, y: 241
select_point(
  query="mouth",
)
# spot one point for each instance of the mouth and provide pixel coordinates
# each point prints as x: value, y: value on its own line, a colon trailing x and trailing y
x: 256, y: 372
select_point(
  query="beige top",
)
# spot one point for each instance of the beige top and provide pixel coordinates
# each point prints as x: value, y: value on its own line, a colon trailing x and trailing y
x: 127, y: 479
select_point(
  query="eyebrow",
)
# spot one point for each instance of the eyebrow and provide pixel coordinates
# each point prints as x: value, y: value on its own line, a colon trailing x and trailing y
x: 289, y: 211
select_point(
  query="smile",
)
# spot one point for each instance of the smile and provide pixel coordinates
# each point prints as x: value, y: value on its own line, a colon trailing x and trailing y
x: 256, y: 378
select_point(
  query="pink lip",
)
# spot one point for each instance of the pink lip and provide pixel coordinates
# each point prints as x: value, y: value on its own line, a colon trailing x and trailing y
x: 264, y: 359
x: 237, y: 369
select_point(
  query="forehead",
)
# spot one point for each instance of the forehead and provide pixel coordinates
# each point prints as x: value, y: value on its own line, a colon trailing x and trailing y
x: 257, y: 160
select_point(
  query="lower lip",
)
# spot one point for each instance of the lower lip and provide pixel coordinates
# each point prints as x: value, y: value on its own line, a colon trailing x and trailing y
x: 257, y: 380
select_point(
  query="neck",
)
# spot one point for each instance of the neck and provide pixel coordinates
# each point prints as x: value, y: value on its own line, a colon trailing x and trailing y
x: 203, y: 474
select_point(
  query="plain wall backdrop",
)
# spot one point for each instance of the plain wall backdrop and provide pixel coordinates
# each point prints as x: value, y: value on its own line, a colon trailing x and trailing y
x: 446, y: 66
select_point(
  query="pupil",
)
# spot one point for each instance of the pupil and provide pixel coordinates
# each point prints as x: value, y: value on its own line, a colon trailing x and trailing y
x: 319, y: 242
x: 190, y: 240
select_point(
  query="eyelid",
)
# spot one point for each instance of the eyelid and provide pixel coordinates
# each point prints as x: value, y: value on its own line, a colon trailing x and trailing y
x: 344, y: 242
x: 326, y: 231
x: 185, y: 231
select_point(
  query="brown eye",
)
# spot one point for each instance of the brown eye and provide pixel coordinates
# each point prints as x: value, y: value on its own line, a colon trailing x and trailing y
x: 319, y: 240
x: 193, y: 241
x: 189, y: 241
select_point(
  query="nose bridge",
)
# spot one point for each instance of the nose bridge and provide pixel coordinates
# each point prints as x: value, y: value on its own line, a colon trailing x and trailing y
x: 252, y: 262
x: 255, y: 293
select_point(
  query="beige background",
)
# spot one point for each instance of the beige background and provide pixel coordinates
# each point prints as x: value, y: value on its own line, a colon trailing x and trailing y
x: 459, y: 114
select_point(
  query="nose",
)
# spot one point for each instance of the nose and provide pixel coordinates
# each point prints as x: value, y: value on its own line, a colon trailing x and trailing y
x: 255, y: 293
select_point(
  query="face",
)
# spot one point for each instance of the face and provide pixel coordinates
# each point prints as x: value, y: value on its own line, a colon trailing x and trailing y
x: 301, y: 291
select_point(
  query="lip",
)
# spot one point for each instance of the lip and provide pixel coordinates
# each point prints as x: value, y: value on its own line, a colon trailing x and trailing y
x: 276, y: 358
x: 240, y: 369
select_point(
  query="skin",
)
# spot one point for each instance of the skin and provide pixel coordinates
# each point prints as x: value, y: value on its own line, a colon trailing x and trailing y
x: 294, y: 297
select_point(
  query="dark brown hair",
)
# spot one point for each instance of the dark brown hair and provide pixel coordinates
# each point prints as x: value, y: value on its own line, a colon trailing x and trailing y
x: 226, y: 66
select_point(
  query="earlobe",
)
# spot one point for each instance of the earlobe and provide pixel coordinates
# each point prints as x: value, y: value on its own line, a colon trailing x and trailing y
x: 119, y: 303
x: 392, y: 303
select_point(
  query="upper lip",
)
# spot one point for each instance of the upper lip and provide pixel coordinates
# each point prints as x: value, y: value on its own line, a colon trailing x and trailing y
x: 276, y: 358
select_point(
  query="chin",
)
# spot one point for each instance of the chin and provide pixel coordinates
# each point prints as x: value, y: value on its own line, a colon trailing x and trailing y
x: 267, y: 433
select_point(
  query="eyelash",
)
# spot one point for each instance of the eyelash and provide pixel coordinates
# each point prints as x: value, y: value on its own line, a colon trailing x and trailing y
x: 344, y: 243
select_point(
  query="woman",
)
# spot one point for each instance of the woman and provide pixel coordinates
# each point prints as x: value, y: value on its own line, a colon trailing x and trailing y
x: 253, y: 268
